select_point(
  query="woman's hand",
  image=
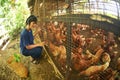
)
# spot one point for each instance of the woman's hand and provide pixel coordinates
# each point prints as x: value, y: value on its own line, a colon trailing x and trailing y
x: 42, y: 43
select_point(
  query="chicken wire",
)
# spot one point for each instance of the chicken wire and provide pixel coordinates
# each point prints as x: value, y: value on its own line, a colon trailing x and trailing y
x: 59, y: 20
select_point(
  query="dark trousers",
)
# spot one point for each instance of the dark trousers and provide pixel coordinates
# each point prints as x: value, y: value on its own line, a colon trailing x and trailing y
x: 34, y: 53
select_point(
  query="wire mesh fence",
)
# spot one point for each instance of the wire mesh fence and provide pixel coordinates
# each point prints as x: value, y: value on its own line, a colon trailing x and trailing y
x: 82, y: 36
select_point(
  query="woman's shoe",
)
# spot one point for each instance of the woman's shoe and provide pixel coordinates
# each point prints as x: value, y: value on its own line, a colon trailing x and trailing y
x: 36, y: 61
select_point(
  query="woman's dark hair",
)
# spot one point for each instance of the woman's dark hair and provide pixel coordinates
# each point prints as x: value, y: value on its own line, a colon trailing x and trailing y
x: 30, y: 19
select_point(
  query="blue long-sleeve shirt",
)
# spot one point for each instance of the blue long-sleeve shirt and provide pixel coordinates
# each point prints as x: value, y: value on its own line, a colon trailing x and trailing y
x: 26, y: 38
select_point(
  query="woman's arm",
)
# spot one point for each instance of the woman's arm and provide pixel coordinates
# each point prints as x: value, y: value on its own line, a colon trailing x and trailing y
x: 32, y: 46
x: 35, y: 45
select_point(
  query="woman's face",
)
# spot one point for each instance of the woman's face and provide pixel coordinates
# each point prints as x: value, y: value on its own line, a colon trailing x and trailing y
x: 33, y: 25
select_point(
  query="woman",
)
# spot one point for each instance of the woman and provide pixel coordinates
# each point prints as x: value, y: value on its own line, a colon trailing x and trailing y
x: 27, y: 46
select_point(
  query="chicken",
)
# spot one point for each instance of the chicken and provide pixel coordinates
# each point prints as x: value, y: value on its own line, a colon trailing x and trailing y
x: 61, y: 25
x: 81, y: 64
x: 96, y: 69
x: 62, y: 50
x: 109, y: 42
x: 51, y: 36
x: 58, y: 51
x: 88, y: 41
x: 79, y: 40
x: 119, y: 38
x: 118, y: 64
x: 62, y: 57
x: 84, y: 27
x: 110, y: 38
x: 97, y: 56
x: 97, y: 48
x: 108, y: 74
x: 51, y: 28
x: 89, y: 54
x: 106, y: 57
x: 74, y: 35
x: 17, y: 67
x: 59, y: 36
x: 81, y: 61
x: 54, y: 49
x: 94, y: 32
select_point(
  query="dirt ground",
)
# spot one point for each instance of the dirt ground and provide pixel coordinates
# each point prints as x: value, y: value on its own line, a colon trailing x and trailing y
x: 42, y: 71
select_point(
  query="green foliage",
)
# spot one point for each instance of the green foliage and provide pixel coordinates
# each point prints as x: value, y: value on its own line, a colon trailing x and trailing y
x: 17, y: 57
x: 15, y: 13
x: 3, y: 7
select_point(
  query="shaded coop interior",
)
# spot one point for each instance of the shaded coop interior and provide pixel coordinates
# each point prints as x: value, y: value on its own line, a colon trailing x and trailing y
x: 82, y: 36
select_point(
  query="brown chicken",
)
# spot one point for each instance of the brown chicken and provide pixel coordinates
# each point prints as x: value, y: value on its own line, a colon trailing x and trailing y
x: 110, y: 38
x: 80, y: 62
x: 62, y: 50
x: 17, y: 67
x: 62, y: 57
x: 97, y: 56
x: 54, y: 49
x: 96, y: 69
